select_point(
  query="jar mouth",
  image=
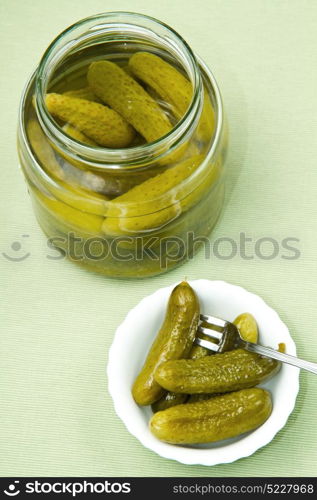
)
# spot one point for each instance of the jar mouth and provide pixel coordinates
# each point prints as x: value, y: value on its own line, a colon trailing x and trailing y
x: 121, y: 24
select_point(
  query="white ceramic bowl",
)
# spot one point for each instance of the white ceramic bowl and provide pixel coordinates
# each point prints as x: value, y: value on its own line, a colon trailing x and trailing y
x: 134, y: 337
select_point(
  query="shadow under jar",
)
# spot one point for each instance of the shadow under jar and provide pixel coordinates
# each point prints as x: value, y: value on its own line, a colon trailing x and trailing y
x: 141, y: 209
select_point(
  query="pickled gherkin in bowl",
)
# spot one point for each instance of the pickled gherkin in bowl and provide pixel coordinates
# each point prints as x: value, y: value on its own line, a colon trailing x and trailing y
x: 210, y: 397
x: 122, y: 141
x: 187, y: 432
x: 214, y: 419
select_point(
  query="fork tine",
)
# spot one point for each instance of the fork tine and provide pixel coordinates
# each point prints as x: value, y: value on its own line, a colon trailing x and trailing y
x: 208, y: 345
x: 214, y: 334
x: 213, y: 320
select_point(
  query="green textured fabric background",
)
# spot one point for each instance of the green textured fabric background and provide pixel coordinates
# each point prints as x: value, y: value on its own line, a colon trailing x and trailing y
x: 57, y: 320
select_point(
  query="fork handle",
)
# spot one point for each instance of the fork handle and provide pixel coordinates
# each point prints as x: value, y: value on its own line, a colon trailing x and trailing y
x: 280, y: 356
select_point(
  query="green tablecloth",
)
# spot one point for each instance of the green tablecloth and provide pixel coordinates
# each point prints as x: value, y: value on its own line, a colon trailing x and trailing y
x: 57, y: 320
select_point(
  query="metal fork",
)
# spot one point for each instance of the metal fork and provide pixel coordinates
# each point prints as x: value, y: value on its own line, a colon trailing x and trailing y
x: 228, y: 337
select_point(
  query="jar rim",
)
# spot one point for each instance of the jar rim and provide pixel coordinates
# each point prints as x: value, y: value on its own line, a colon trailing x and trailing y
x: 126, y: 157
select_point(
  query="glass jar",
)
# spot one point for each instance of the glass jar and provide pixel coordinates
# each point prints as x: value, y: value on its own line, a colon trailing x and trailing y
x: 137, y: 210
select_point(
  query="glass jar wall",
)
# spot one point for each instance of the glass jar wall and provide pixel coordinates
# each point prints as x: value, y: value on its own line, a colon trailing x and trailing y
x: 122, y: 141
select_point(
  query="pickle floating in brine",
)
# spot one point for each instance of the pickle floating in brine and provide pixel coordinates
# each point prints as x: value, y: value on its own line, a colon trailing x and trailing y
x: 173, y: 88
x: 98, y: 122
x: 126, y: 96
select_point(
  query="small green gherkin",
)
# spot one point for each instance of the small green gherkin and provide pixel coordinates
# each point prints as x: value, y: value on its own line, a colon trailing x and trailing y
x: 225, y: 372
x: 98, y: 122
x: 174, y: 88
x: 173, y: 341
x: 125, y: 95
x: 247, y: 327
x: 215, y: 419
x: 173, y: 398
x: 156, y: 197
